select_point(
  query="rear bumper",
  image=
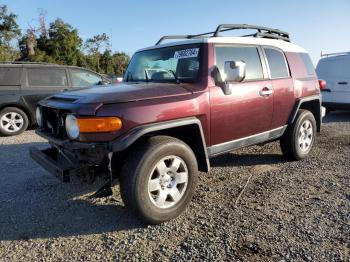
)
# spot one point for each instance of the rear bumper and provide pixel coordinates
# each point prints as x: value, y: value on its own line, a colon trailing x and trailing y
x: 50, y: 161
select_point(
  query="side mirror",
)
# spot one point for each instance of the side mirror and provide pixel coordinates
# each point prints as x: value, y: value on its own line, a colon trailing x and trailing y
x: 234, y: 71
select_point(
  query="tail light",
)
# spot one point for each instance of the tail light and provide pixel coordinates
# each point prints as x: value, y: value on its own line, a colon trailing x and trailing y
x: 118, y: 80
x: 323, y: 84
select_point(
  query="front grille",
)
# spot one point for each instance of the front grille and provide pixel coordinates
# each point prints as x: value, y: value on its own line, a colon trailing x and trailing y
x: 53, y: 122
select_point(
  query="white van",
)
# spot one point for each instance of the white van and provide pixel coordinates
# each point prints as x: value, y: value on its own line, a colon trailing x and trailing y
x: 335, y: 69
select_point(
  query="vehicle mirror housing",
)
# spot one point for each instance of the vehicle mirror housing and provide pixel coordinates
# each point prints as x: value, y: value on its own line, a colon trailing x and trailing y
x: 234, y: 71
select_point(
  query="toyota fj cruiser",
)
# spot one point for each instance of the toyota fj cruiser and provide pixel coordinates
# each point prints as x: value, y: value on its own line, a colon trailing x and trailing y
x: 182, y: 103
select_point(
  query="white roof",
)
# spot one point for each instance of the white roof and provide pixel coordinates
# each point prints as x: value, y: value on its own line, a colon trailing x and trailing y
x: 283, y: 45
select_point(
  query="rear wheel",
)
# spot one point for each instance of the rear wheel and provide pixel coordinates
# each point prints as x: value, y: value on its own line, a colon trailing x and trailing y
x: 299, y: 138
x: 13, y: 121
x: 158, y: 180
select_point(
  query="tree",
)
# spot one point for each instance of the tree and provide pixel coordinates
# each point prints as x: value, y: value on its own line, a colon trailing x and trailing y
x: 93, y: 46
x: 121, y: 61
x: 63, y: 44
x: 59, y: 43
x: 9, y: 31
x: 107, y: 63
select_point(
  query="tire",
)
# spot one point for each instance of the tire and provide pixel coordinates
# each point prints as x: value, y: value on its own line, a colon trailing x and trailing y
x: 139, y: 176
x: 13, y: 121
x: 298, y: 140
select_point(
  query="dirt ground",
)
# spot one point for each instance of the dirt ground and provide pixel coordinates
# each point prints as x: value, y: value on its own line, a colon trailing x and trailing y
x: 289, y: 211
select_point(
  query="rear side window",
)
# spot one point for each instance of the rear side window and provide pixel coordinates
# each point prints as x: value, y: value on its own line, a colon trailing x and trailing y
x: 10, y: 76
x: 82, y: 78
x: 47, y: 77
x: 249, y: 55
x: 277, y: 63
x: 308, y: 64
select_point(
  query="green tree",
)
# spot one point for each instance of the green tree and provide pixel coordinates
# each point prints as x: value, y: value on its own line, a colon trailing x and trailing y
x: 93, y: 46
x: 107, y: 63
x: 63, y: 43
x: 9, y: 31
x: 121, y: 61
x: 59, y: 43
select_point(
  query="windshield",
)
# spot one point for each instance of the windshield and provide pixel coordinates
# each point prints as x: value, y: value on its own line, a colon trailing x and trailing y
x: 168, y: 64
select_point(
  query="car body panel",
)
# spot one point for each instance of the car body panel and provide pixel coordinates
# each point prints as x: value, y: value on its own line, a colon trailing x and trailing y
x: 125, y: 92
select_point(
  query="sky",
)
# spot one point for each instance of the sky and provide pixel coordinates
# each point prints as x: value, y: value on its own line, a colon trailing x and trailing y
x: 316, y: 25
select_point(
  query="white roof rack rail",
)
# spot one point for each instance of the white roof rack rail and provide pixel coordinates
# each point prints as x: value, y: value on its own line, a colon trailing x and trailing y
x: 334, y: 54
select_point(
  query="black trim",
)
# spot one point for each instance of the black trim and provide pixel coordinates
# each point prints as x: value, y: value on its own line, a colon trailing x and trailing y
x: 128, y: 139
x: 262, y: 32
x: 299, y: 103
x: 317, y: 114
x: 246, y: 141
x: 69, y: 144
x: 120, y: 144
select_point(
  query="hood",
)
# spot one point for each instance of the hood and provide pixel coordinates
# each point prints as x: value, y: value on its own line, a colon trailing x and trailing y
x: 125, y: 92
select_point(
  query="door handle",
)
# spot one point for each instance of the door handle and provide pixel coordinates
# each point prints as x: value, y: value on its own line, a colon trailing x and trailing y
x: 342, y: 83
x: 266, y: 91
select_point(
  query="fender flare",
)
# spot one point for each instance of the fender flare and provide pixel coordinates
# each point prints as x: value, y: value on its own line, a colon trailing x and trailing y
x: 298, y: 105
x: 134, y: 134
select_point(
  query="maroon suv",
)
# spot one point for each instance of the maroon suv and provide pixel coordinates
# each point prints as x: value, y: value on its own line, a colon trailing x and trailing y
x: 180, y: 104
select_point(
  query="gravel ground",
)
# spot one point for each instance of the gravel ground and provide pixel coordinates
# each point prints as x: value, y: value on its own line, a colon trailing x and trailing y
x: 289, y: 211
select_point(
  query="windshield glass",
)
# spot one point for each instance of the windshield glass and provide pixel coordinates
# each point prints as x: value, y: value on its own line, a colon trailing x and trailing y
x: 168, y: 64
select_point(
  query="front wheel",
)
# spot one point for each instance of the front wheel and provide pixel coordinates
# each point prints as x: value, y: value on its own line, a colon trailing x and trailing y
x: 298, y: 140
x: 158, y: 179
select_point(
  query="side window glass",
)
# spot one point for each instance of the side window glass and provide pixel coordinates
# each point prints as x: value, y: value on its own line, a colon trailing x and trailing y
x: 51, y: 77
x: 249, y: 55
x: 310, y: 69
x: 81, y: 78
x: 10, y: 76
x: 277, y: 63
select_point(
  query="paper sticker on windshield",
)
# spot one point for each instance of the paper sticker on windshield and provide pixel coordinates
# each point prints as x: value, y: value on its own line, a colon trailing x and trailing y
x: 192, y: 52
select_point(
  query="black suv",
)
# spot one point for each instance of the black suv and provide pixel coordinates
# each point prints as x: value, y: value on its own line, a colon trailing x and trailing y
x: 23, y: 85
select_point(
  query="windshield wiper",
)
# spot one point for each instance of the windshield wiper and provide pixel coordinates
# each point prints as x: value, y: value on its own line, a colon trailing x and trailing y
x: 147, y: 77
x: 175, y: 76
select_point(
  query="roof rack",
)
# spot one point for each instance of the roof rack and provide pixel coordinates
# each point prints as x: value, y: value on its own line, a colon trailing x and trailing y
x: 334, y: 54
x: 25, y: 63
x: 262, y: 32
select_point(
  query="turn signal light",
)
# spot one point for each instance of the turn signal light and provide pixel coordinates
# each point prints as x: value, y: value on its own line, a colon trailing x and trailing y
x: 99, y: 124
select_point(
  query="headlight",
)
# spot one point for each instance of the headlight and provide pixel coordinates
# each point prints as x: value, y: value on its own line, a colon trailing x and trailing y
x: 38, y: 116
x: 72, y: 127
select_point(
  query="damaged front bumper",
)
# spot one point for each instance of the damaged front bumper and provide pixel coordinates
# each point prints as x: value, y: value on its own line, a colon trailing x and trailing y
x: 66, y: 158
x: 48, y: 159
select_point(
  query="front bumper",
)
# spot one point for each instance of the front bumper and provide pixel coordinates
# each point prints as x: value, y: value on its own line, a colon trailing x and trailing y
x: 66, y: 158
x: 48, y: 159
